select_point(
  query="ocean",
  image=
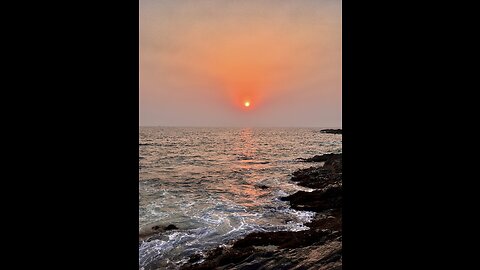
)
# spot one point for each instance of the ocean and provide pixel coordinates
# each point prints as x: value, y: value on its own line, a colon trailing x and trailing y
x: 218, y: 184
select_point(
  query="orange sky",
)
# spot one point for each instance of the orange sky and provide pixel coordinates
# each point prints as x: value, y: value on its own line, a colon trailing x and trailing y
x: 200, y: 61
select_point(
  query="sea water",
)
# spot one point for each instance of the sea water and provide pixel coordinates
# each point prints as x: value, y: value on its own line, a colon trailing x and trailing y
x: 217, y: 185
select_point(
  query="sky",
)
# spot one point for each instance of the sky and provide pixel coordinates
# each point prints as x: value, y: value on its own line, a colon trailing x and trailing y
x: 201, y: 61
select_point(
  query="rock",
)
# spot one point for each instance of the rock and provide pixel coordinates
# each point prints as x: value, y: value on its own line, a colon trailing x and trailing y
x: 316, y: 177
x: 312, y: 249
x: 321, y: 177
x: 322, y: 158
x: 171, y: 227
x: 331, y: 131
x: 195, y: 258
x: 317, y: 200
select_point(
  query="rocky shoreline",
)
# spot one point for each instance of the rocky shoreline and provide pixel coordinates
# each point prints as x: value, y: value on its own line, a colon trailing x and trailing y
x: 320, y: 247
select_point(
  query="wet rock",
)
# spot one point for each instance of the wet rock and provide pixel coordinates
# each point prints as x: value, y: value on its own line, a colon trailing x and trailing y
x: 316, y: 177
x: 284, y: 239
x: 332, y: 257
x: 171, y: 227
x: 154, y: 232
x: 317, y: 200
x: 321, y: 177
x: 195, y: 258
x: 322, y: 158
x: 316, y: 251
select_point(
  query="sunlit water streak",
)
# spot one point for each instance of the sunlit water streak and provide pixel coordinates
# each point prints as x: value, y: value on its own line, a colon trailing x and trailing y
x: 218, y: 184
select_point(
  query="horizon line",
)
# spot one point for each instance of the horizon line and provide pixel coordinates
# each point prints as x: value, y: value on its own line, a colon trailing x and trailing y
x: 188, y: 126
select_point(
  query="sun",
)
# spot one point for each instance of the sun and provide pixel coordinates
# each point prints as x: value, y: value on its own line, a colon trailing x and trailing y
x: 247, y: 104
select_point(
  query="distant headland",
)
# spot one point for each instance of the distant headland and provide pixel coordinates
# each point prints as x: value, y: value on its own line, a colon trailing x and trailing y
x: 331, y: 131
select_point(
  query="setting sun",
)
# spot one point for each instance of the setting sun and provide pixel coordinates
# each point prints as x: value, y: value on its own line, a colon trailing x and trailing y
x: 247, y: 104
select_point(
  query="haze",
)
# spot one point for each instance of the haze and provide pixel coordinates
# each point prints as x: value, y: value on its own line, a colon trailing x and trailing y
x: 202, y: 61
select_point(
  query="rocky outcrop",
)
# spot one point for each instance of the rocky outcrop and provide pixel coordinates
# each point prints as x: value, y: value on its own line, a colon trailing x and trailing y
x: 331, y: 131
x: 322, y: 176
x: 149, y: 233
x: 323, y: 158
x: 320, y: 247
x: 317, y: 200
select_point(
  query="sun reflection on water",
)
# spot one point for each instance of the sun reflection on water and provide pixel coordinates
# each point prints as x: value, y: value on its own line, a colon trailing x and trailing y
x: 247, y: 165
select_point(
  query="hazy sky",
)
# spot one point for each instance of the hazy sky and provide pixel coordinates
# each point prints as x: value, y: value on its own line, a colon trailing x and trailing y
x: 201, y: 60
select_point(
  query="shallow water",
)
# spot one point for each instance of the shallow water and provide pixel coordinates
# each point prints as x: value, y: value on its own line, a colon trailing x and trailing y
x: 218, y: 184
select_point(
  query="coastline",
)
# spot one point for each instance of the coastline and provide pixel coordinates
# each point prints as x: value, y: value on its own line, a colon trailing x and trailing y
x: 320, y: 247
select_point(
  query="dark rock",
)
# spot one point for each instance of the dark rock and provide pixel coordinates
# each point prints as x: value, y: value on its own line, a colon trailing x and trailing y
x: 281, y: 239
x: 322, y: 158
x: 331, y: 131
x: 320, y: 177
x: 316, y: 177
x: 170, y: 227
x: 292, y: 248
x: 263, y: 187
x: 195, y: 258
x: 333, y: 257
x: 317, y: 200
